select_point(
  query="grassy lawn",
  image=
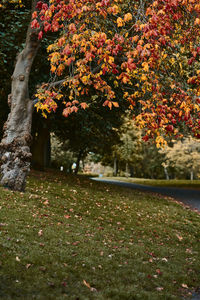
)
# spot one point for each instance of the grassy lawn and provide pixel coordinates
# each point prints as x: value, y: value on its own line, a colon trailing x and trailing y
x: 70, y: 238
x: 193, y: 184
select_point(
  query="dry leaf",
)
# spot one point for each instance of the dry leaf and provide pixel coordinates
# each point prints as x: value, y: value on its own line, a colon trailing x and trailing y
x: 159, y: 289
x: 89, y: 287
x: 179, y: 237
x: 86, y: 284
x: 28, y: 266
x: 67, y: 216
x: 40, y: 232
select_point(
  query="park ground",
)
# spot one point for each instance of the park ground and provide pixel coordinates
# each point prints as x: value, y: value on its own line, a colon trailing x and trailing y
x: 67, y: 237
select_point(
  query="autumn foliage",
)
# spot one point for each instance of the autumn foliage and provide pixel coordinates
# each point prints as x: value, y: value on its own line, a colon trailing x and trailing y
x: 144, y: 53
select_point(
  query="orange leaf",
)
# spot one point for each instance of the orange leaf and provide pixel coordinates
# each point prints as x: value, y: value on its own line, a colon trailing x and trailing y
x: 128, y: 17
x: 110, y: 105
x: 84, y: 105
x: 86, y: 284
x: 115, y: 104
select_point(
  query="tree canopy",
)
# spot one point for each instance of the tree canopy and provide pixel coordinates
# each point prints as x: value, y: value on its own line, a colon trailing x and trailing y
x: 141, y: 52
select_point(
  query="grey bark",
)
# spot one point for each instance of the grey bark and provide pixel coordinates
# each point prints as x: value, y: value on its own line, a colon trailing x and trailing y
x: 15, y: 146
x: 127, y: 172
x: 115, y: 166
x: 166, y: 173
x: 191, y: 175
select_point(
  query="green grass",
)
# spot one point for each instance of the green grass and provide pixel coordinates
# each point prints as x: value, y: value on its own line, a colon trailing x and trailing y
x: 70, y: 238
x: 192, y: 184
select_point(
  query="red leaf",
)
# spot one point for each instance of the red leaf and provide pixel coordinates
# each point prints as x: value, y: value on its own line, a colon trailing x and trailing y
x: 40, y: 35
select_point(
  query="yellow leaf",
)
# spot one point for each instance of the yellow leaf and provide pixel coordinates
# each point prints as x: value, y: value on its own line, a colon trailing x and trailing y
x: 85, y: 79
x: 116, y: 83
x: 197, y: 21
x: 111, y: 59
x: 120, y: 22
x: 145, y: 66
x: 128, y: 17
x: 59, y: 96
x: 53, y: 68
x: 143, y: 77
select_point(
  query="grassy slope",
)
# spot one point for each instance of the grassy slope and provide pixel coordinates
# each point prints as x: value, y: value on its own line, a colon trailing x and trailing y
x: 69, y: 238
x: 192, y: 184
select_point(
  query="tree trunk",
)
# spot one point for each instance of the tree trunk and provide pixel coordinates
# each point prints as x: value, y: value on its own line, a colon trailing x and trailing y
x: 131, y: 171
x: 127, y: 173
x: 41, y: 146
x: 115, y: 167
x: 78, y: 161
x: 14, y: 147
x: 166, y: 173
x: 191, y: 175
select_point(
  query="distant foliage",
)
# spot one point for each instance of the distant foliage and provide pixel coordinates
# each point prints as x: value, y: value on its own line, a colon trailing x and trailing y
x: 60, y: 155
x: 184, y: 156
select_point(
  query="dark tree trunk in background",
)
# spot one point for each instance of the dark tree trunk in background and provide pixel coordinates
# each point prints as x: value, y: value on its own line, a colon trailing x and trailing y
x: 131, y: 171
x: 78, y: 161
x: 15, y: 145
x: 41, y: 145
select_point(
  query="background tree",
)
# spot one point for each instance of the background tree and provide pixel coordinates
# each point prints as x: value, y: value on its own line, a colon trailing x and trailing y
x: 184, y: 156
x: 91, y: 131
x: 60, y: 154
x: 135, y: 156
x: 128, y: 151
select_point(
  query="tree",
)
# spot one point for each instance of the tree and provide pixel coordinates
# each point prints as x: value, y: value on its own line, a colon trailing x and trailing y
x: 135, y: 157
x: 92, y: 131
x: 125, y: 52
x: 14, y: 147
x: 61, y: 156
x: 184, y: 156
x: 150, y: 55
x: 128, y: 151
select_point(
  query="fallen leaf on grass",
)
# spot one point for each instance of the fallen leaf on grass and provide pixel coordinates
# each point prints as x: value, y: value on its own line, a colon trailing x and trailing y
x: 179, y: 237
x: 159, y: 289
x: 28, y: 266
x: 164, y: 259
x: 158, y: 272
x: 40, y: 232
x: 67, y: 216
x: 89, y: 287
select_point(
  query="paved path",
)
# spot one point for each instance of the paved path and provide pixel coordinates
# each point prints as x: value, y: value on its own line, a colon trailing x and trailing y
x: 189, y: 197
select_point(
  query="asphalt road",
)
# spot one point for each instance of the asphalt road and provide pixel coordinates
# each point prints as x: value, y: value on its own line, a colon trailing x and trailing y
x: 190, y: 197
